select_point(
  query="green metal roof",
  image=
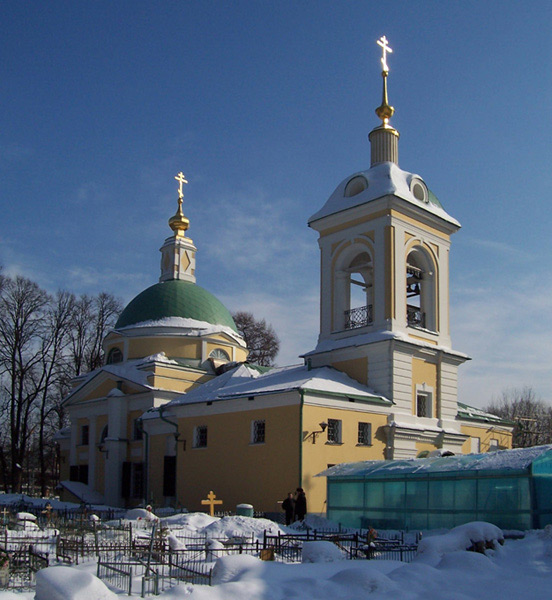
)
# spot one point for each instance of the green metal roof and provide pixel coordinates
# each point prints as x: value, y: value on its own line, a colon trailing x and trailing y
x: 500, y: 461
x: 175, y: 298
x: 470, y: 413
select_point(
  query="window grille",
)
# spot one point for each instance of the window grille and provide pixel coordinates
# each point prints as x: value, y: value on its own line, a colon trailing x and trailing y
x: 334, y: 431
x: 200, y: 440
x: 423, y: 405
x: 258, y: 432
x: 364, y: 434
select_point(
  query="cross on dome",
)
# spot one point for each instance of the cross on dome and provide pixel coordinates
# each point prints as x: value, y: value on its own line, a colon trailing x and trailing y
x: 385, y: 48
x: 181, y: 179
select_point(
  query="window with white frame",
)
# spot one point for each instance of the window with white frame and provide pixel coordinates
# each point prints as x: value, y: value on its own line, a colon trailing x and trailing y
x: 475, y: 445
x: 365, y: 434
x: 423, y: 404
x: 334, y: 431
x: 258, y: 430
x: 200, y: 436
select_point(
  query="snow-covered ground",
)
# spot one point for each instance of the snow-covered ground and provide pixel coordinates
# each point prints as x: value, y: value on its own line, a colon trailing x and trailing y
x: 443, y: 570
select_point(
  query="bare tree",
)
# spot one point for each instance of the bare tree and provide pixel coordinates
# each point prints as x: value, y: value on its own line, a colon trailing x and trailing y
x: 260, y: 337
x: 93, y: 317
x: 55, y: 367
x: 23, y: 307
x: 532, y: 418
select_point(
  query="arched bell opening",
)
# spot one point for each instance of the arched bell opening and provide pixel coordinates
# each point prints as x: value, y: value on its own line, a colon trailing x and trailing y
x: 421, y: 296
x: 355, y: 292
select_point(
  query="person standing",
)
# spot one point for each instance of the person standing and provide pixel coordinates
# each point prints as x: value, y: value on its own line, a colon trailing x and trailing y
x: 289, y: 506
x: 300, y: 504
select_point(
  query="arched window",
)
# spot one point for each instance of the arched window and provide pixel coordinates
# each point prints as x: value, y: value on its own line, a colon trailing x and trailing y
x: 219, y: 354
x: 114, y: 356
x: 421, y: 290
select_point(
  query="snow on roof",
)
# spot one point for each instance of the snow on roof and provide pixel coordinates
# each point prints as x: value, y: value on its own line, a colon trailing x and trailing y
x: 384, y: 179
x: 471, y: 412
x: 368, y: 338
x: 186, y: 327
x: 83, y: 492
x: 245, y: 381
x: 509, y: 460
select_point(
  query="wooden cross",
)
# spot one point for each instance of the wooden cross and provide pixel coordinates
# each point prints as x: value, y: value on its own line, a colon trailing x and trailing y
x: 5, y: 513
x: 385, y: 49
x: 211, y: 502
x: 181, y: 179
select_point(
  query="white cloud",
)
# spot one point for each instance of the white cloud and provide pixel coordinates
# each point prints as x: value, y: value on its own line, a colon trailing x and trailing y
x: 294, y: 317
x: 506, y: 328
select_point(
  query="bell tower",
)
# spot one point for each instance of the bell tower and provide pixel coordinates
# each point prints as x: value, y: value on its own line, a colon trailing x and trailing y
x: 384, y: 240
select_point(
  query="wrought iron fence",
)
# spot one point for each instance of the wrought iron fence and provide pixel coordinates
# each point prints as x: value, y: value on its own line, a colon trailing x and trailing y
x: 358, y: 317
x: 415, y: 317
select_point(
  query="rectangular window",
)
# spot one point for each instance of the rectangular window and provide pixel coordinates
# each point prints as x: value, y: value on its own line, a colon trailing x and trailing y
x: 169, y: 476
x: 493, y: 445
x: 78, y: 473
x: 334, y: 431
x: 258, y: 432
x: 137, y: 432
x: 200, y: 436
x: 84, y: 435
x: 475, y: 445
x: 137, y: 480
x: 423, y: 404
x: 365, y: 434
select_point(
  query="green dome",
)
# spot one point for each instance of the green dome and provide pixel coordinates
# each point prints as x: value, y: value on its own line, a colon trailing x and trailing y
x: 175, y: 298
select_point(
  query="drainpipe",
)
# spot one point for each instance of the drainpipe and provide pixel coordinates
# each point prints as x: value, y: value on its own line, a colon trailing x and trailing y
x: 176, y: 436
x: 175, y: 425
x: 301, y: 393
x: 140, y: 424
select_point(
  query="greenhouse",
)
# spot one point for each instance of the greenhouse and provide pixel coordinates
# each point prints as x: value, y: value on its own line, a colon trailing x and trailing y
x: 510, y: 488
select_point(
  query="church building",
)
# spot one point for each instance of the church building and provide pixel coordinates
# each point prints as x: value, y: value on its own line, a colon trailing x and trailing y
x: 177, y: 411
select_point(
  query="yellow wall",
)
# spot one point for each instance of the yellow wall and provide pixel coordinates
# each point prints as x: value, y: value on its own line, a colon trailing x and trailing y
x: 356, y: 368
x: 180, y: 380
x: 236, y: 470
x: 317, y: 456
x: 421, y: 446
x: 486, y: 432
x: 424, y: 372
x: 181, y: 347
x: 106, y: 386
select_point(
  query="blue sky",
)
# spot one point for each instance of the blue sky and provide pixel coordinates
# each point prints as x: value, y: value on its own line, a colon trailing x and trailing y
x: 266, y: 107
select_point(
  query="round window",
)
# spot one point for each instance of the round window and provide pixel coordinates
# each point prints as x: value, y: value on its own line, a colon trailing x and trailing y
x: 419, y: 190
x: 355, y: 186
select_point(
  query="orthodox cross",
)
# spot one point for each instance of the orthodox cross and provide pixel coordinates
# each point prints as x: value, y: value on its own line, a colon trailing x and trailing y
x: 5, y: 514
x: 48, y: 512
x: 181, y: 179
x: 385, y: 49
x: 211, y: 502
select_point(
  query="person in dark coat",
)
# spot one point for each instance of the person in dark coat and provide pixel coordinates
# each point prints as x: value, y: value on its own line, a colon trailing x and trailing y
x: 289, y: 506
x: 300, y: 504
